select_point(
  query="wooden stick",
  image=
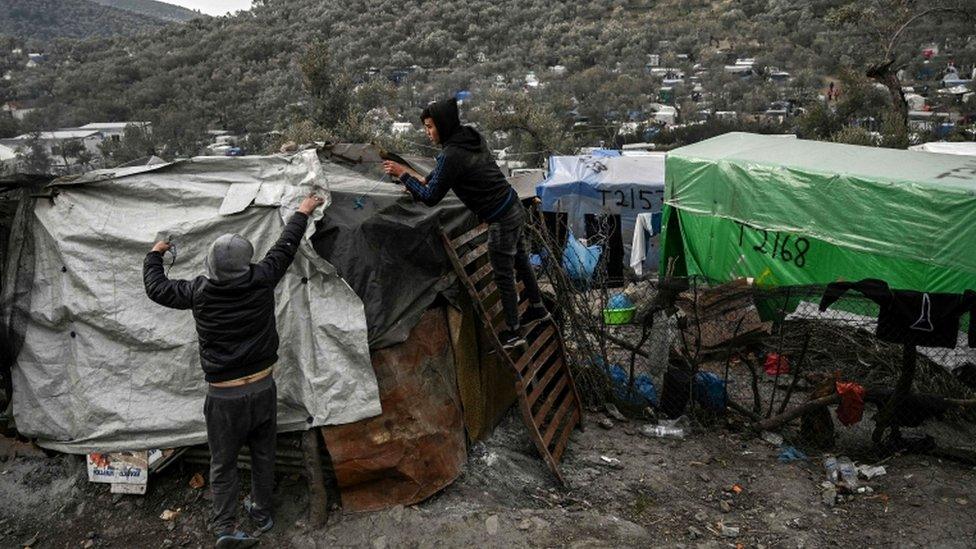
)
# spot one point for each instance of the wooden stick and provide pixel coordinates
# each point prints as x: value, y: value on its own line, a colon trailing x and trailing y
x: 776, y: 422
x: 318, y: 498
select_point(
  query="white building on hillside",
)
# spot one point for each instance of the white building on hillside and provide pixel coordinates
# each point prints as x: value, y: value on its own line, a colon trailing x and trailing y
x: 115, y: 130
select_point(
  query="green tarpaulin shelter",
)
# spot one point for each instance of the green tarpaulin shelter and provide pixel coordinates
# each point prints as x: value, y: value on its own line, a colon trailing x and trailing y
x: 795, y: 212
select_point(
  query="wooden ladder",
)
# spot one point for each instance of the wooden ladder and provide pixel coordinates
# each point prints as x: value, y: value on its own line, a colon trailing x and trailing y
x: 547, y: 395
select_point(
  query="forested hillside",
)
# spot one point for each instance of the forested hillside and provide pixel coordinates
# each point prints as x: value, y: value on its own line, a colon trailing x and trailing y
x: 44, y: 20
x: 152, y: 8
x: 290, y: 61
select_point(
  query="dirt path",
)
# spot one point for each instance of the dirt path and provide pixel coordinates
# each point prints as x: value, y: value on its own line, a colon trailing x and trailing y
x: 667, y: 493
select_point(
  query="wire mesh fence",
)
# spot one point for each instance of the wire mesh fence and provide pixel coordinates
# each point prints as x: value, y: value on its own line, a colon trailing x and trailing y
x: 764, y: 359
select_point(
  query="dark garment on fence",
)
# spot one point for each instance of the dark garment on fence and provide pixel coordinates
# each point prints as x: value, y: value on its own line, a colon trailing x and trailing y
x: 508, y: 256
x: 237, y: 416
x: 909, y: 317
x: 235, y: 319
x: 465, y: 165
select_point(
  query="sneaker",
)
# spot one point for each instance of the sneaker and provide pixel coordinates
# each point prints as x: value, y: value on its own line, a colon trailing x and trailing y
x: 235, y: 540
x: 263, y: 524
x: 534, y: 315
x: 511, y: 339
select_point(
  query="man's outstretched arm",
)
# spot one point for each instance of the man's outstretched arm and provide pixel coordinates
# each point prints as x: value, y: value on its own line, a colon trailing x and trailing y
x: 175, y: 294
x: 281, y: 255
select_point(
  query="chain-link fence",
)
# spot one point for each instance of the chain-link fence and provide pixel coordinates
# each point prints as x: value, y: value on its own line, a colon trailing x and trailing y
x: 769, y: 360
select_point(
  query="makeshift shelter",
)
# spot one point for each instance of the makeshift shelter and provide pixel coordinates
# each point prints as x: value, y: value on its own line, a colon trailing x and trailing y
x: 100, y: 367
x: 585, y: 187
x: 794, y: 212
x: 371, y: 351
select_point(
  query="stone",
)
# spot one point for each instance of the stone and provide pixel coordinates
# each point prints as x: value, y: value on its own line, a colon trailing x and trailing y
x: 524, y: 524
x: 701, y: 516
x: 730, y: 531
x: 605, y: 423
x: 380, y: 543
x: 396, y: 513
x: 491, y: 524
x: 694, y: 533
x: 725, y: 506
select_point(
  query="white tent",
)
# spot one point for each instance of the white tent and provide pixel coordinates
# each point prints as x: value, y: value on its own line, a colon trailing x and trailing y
x: 965, y: 148
x: 594, y: 184
x: 100, y: 367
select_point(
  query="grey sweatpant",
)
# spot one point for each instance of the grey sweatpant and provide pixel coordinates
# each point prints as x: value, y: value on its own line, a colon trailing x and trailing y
x: 237, y: 416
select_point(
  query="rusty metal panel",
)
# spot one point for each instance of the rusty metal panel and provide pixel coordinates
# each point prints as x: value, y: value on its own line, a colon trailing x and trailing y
x: 417, y: 446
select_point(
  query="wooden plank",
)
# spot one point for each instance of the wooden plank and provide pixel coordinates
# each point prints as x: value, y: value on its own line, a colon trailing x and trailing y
x: 469, y: 236
x: 481, y: 274
x: 540, y: 362
x: 556, y: 420
x: 534, y: 348
x: 563, y: 440
x: 473, y: 255
x: 537, y: 391
x: 537, y: 439
x: 540, y: 414
x: 486, y: 293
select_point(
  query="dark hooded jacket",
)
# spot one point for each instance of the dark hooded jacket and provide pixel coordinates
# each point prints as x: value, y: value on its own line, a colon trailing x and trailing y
x: 465, y: 165
x: 235, y: 318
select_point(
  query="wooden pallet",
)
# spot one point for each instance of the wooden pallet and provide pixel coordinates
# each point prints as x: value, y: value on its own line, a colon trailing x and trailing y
x: 547, y: 395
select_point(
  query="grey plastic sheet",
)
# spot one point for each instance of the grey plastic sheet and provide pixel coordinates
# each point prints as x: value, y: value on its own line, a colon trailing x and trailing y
x: 101, y: 367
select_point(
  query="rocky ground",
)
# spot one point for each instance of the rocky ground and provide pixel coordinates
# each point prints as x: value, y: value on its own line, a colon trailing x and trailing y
x: 715, y: 488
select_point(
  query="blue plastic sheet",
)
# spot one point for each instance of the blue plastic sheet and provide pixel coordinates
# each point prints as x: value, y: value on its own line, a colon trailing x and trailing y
x: 709, y: 391
x: 579, y: 260
x: 643, y: 393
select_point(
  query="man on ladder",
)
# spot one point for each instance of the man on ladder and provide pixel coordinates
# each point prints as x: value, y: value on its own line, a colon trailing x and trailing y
x: 465, y: 165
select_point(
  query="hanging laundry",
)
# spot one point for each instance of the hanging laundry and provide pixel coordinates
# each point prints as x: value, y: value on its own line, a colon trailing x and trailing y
x: 910, y: 317
x: 851, y: 407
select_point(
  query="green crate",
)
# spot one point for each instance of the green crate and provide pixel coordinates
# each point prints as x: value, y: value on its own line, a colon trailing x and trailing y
x: 615, y: 317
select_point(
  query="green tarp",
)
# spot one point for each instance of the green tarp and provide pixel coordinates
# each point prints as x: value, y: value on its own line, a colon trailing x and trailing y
x: 795, y: 212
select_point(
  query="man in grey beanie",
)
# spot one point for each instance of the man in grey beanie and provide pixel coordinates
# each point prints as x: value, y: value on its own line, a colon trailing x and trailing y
x: 234, y: 310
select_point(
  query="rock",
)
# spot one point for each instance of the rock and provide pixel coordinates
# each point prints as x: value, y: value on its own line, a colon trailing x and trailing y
x: 524, y: 524
x: 730, y: 531
x: 829, y: 496
x: 694, y: 533
x: 703, y: 477
x: 725, y: 506
x: 962, y: 501
x: 167, y: 542
x: 540, y: 523
x: 701, y: 516
x: 88, y: 544
x: 605, y: 423
x: 397, y: 514
x: 630, y: 432
x: 32, y: 541
x: 380, y: 543
x: 170, y: 526
x: 491, y: 524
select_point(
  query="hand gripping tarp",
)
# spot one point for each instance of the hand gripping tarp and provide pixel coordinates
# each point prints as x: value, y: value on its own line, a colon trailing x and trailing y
x: 101, y: 367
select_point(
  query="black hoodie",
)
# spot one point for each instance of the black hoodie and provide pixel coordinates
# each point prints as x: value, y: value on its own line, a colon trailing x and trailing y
x: 465, y: 165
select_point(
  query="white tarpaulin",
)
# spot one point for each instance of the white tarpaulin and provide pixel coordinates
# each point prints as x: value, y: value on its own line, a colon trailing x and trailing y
x: 620, y: 185
x: 103, y: 368
x: 965, y: 148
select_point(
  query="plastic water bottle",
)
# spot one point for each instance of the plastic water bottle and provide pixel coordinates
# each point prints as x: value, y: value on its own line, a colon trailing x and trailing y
x: 848, y: 473
x: 663, y: 431
x: 841, y: 472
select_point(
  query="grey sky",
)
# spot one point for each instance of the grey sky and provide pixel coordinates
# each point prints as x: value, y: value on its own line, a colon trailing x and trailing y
x: 213, y: 7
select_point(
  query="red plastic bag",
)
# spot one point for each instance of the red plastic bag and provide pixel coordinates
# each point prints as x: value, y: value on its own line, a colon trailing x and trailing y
x: 851, y: 407
x: 776, y: 365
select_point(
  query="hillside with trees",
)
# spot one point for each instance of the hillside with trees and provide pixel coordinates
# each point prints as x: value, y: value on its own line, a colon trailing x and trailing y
x: 349, y: 69
x: 44, y: 20
x: 153, y: 9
